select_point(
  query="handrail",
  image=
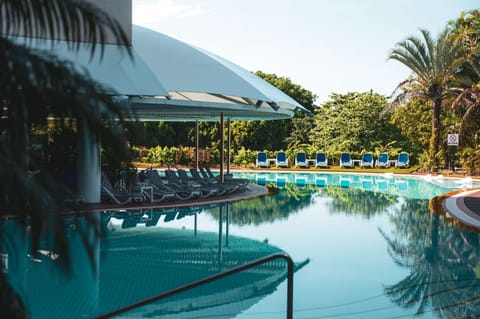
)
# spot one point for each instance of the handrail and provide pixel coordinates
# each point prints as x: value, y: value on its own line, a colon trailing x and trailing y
x: 213, y: 278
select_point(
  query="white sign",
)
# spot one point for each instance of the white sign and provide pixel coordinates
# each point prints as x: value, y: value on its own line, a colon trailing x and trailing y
x: 452, y: 140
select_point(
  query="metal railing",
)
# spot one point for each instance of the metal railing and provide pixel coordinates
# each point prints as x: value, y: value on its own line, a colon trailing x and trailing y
x: 290, y: 270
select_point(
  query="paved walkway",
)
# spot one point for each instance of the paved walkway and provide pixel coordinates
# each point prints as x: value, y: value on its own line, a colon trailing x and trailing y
x: 464, y: 206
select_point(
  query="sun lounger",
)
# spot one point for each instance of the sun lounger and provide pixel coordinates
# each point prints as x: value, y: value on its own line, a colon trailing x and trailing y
x: 125, y: 191
x: 206, y: 189
x: 382, y: 161
x: 346, y: 160
x: 321, y: 160
x: 262, y: 160
x: 156, y: 180
x: 224, y: 187
x: 367, y: 160
x: 403, y: 160
x: 301, y: 160
x: 281, y: 160
x: 174, y: 182
x: 109, y: 193
x: 242, y: 183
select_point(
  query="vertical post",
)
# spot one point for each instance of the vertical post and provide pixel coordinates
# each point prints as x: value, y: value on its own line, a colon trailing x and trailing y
x: 451, y: 151
x: 88, y: 164
x: 227, y: 221
x: 229, y: 144
x: 290, y: 271
x: 197, y: 143
x: 222, y: 147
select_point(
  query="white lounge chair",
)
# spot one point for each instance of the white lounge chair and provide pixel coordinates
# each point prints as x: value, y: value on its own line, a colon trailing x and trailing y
x: 321, y: 160
x: 301, y: 160
x: 367, y: 160
x: 281, y: 160
x: 262, y: 160
x: 403, y: 160
x: 346, y: 160
x: 382, y: 161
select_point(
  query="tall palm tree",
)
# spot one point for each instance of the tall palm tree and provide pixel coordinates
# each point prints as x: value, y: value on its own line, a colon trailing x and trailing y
x: 433, y: 63
x: 34, y: 86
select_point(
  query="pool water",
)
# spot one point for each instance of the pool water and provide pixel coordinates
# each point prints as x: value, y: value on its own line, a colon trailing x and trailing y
x: 365, y: 246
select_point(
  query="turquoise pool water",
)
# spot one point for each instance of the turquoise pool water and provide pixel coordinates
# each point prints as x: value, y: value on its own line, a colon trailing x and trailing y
x: 366, y: 246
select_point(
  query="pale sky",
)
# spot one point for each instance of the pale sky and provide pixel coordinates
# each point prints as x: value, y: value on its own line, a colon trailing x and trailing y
x: 326, y: 46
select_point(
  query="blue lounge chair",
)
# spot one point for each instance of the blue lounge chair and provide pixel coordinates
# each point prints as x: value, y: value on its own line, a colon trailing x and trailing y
x: 367, y: 160
x: 281, y: 160
x: 346, y: 160
x: 321, y: 160
x: 301, y: 160
x: 382, y: 161
x: 262, y: 160
x: 403, y: 160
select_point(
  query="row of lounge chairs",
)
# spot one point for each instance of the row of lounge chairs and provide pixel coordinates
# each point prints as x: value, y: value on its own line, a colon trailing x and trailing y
x: 367, y: 160
x: 321, y: 160
x: 150, y: 186
x: 281, y: 160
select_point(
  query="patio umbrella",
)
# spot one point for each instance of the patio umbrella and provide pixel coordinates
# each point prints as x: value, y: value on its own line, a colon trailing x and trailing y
x: 167, y: 80
x: 202, y: 85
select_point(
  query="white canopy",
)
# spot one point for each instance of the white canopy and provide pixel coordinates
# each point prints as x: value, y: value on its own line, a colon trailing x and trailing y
x: 173, y: 81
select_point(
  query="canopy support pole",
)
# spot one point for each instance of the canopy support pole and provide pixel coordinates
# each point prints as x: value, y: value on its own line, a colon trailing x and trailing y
x: 88, y: 164
x: 196, y: 144
x: 222, y: 147
x: 229, y: 145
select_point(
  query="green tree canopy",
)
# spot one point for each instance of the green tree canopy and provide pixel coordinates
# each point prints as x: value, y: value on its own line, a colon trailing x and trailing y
x: 466, y: 87
x: 418, y: 111
x: 351, y: 122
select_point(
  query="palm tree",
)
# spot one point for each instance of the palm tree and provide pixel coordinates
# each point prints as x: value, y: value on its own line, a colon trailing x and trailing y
x: 433, y: 63
x: 35, y: 86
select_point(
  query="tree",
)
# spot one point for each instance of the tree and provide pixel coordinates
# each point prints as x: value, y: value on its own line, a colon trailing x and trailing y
x: 275, y: 135
x: 417, y: 111
x: 35, y: 85
x: 351, y: 122
x: 466, y: 33
x: 433, y: 63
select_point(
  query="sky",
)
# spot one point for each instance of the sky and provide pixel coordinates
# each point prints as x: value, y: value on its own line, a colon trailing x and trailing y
x: 325, y: 46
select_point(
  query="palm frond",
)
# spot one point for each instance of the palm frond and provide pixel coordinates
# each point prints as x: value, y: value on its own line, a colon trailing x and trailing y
x: 407, y: 53
x: 401, y: 93
x: 75, y: 21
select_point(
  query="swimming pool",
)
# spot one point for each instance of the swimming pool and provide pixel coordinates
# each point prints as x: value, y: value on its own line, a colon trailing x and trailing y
x: 369, y: 247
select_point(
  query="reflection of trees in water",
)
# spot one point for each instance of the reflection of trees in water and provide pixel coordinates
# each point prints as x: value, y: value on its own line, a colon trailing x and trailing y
x: 443, y: 261
x: 354, y: 201
x: 288, y: 200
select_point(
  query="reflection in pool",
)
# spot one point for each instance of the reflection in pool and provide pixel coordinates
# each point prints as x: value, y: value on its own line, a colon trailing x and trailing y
x: 376, y: 244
